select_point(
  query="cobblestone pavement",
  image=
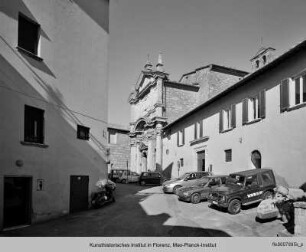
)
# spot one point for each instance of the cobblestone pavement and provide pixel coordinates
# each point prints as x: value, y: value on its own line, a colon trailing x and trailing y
x: 146, y: 211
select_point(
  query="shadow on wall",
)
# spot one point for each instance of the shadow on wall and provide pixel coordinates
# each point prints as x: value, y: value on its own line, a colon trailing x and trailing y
x: 53, y: 95
x: 38, y: 64
x: 168, y: 171
x: 94, y: 10
x: 10, y: 7
x: 58, y: 117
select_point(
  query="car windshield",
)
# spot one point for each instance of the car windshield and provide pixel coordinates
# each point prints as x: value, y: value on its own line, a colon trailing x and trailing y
x: 203, y: 181
x: 185, y: 175
x: 235, y: 179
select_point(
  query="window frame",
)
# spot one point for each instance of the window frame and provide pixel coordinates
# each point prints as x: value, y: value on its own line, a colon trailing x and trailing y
x: 39, y: 127
x: 254, y: 108
x: 87, y: 133
x: 227, y: 117
x: 228, y: 155
x: 37, y: 40
x: 181, y: 137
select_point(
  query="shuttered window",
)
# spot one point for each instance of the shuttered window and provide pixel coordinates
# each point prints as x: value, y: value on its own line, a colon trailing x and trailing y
x: 244, y: 111
x: 284, y: 95
x: 233, y: 116
x: 262, y: 104
x: 220, y: 121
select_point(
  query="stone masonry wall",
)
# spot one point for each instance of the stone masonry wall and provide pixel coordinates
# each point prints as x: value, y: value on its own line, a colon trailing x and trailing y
x: 178, y: 102
x: 120, y: 152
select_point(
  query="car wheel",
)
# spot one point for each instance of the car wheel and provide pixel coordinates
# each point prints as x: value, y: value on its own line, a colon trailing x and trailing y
x: 143, y: 183
x: 267, y: 195
x: 175, y: 189
x: 234, y: 206
x: 123, y: 181
x: 195, y: 198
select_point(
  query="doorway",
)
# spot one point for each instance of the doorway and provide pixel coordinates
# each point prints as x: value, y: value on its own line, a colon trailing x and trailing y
x: 256, y: 159
x: 201, y: 160
x: 17, y: 201
x: 78, y: 193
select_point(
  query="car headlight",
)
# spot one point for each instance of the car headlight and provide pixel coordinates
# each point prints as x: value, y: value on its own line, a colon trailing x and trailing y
x: 222, y: 198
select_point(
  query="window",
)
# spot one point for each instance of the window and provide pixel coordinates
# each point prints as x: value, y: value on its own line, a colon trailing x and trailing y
x: 181, y: 137
x: 264, y: 58
x: 28, y: 34
x: 198, y: 130
x: 300, y: 90
x: 292, y: 92
x: 82, y: 132
x: 228, y: 155
x: 267, y: 179
x: 251, y: 181
x: 33, y: 125
x: 112, y: 138
x: 257, y: 63
x: 182, y: 162
x: 254, y: 108
x: 227, y: 119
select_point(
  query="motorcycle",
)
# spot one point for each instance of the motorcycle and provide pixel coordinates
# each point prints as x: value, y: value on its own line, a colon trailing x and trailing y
x: 104, y: 194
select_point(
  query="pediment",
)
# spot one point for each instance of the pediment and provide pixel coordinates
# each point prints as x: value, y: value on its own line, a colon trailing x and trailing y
x: 144, y: 80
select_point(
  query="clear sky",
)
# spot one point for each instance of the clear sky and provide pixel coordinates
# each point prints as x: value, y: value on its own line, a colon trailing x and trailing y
x: 191, y: 34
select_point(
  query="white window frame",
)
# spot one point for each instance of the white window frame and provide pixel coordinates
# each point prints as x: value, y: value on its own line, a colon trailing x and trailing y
x: 253, y: 108
x: 180, y: 137
x: 227, y: 115
x: 292, y: 91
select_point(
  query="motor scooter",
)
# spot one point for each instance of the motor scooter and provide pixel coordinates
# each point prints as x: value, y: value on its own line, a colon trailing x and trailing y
x: 103, y: 196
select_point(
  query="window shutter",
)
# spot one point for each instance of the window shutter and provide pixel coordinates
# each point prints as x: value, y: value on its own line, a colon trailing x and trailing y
x: 262, y: 104
x: 178, y: 138
x: 233, y: 116
x: 220, y: 121
x: 284, y: 95
x: 183, y: 136
x: 244, y: 111
x: 201, y: 129
x: 195, y: 130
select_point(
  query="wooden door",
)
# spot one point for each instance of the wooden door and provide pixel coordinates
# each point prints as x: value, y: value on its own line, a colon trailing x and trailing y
x: 78, y: 193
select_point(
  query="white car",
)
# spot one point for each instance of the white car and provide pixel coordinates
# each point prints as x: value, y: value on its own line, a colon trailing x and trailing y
x: 129, y: 177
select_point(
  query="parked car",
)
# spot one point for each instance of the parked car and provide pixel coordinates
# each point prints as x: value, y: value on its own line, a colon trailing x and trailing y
x: 244, y: 188
x: 115, y: 174
x: 128, y: 177
x: 152, y: 178
x: 187, y: 179
x: 200, y: 191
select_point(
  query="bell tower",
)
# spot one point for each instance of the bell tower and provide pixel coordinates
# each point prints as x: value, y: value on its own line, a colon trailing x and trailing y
x: 264, y: 56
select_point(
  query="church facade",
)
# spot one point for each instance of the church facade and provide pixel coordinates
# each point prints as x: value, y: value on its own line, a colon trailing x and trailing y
x: 156, y: 101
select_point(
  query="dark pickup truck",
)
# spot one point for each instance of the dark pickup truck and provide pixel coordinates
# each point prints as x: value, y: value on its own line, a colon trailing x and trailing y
x: 244, y: 188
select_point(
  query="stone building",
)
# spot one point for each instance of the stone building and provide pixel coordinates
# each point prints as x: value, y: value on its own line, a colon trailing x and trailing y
x: 157, y: 101
x: 257, y: 122
x: 53, y: 106
x: 119, y: 147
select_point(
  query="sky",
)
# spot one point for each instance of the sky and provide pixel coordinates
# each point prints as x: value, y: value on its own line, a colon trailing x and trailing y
x: 191, y: 34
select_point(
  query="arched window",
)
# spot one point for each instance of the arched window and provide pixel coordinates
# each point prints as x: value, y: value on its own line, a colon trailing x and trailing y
x: 257, y: 63
x: 256, y: 159
x: 264, y: 58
